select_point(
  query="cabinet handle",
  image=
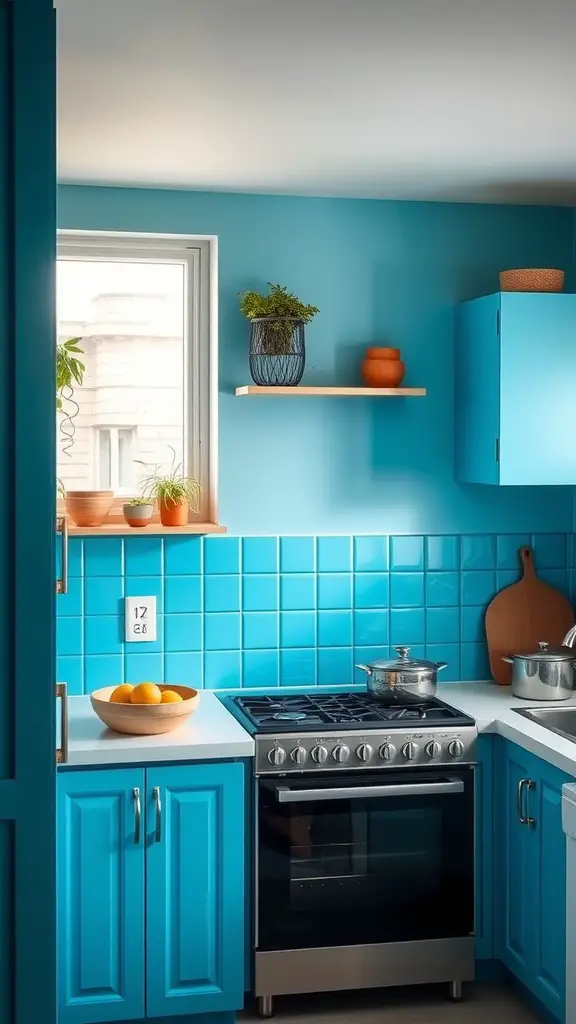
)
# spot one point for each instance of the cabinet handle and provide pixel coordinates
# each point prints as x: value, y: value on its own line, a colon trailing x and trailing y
x: 62, y: 693
x: 158, y: 805
x: 521, y: 803
x: 137, y: 814
x: 62, y: 583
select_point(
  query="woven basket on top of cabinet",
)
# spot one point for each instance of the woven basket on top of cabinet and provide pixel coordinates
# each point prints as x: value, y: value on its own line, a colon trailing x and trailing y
x: 532, y: 280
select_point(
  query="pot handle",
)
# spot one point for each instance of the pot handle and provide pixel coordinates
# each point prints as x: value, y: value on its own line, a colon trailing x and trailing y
x: 441, y: 665
x: 509, y: 661
x: 365, y: 668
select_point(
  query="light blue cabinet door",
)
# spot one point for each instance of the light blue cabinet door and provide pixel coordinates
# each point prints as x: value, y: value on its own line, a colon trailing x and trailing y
x: 100, y: 896
x: 195, y: 889
x: 549, y: 888
x: 537, y: 386
x: 515, y: 864
x: 515, y: 377
x: 484, y: 866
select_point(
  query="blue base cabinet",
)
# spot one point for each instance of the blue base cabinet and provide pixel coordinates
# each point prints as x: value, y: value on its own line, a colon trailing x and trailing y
x: 515, y: 358
x: 195, y: 884
x: 530, y: 904
x: 150, y: 892
x: 100, y: 897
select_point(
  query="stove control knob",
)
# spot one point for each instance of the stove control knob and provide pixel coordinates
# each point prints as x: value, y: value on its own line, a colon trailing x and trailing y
x: 319, y: 754
x: 456, y: 748
x: 298, y: 755
x: 277, y: 756
x: 410, y: 751
x: 387, y: 751
x: 341, y: 753
x: 433, y: 749
x: 364, y: 752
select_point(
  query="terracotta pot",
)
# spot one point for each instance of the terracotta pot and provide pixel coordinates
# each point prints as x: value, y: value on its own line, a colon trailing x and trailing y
x: 382, y: 368
x: 138, y: 515
x: 88, y: 508
x: 173, y: 515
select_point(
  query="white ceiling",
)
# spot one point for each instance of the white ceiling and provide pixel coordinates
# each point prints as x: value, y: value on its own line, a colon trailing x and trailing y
x: 428, y: 99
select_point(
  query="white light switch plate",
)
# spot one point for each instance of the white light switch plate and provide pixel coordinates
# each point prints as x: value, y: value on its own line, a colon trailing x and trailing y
x: 140, y: 615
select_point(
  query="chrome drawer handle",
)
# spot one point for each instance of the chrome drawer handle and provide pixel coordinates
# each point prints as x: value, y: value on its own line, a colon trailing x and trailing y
x: 137, y: 814
x: 521, y: 802
x: 62, y: 528
x: 62, y: 693
x: 158, y: 805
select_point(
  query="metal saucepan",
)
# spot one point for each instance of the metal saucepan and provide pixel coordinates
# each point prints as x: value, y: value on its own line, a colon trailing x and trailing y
x: 545, y: 674
x: 402, y: 674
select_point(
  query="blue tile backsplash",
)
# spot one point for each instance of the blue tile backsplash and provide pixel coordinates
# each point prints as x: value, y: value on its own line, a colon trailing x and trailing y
x: 288, y: 611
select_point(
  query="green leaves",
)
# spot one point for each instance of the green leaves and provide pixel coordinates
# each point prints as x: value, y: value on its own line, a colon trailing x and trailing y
x: 279, y: 303
x: 172, y: 488
x: 69, y: 369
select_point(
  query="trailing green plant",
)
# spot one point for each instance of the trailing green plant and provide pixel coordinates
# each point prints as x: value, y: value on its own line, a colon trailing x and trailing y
x: 172, y: 487
x: 280, y: 310
x: 69, y: 374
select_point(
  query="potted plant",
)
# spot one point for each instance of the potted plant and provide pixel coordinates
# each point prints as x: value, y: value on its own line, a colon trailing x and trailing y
x: 138, y: 512
x: 174, y: 493
x: 277, y: 341
x: 69, y: 374
x: 85, y: 508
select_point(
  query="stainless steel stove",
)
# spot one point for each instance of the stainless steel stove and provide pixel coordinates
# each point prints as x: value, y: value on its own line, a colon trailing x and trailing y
x: 364, y: 841
x: 339, y: 731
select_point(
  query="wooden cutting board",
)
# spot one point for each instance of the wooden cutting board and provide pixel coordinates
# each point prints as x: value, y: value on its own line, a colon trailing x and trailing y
x: 521, y: 615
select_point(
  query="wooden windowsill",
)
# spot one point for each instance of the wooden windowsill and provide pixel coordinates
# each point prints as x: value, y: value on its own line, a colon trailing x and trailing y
x: 111, y: 529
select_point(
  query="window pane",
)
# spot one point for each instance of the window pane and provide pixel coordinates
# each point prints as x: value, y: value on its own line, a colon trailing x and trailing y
x: 125, y: 460
x: 130, y: 316
x: 104, y: 460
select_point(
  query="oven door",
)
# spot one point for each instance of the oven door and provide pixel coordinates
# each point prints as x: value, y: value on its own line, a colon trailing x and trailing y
x: 365, y: 858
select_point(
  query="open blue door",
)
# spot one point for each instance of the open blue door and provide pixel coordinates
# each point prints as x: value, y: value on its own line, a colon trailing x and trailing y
x: 27, y: 474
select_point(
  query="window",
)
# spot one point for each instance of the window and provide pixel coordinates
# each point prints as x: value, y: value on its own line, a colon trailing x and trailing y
x: 115, y: 459
x: 140, y: 306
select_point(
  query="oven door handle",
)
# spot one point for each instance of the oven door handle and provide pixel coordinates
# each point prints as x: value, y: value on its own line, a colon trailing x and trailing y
x: 284, y: 795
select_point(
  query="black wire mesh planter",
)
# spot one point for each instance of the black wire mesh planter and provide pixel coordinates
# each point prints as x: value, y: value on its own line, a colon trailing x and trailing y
x: 277, y: 351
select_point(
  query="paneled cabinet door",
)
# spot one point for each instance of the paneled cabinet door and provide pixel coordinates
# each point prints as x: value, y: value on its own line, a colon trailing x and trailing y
x: 100, y: 896
x: 549, y: 888
x: 195, y: 889
x: 516, y: 864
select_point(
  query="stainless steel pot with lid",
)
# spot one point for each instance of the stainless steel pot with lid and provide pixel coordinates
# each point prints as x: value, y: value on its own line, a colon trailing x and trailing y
x: 409, y: 675
x: 545, y: 674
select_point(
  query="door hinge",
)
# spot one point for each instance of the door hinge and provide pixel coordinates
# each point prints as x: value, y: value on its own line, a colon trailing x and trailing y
x: 498, y: 322
x: 497, y: 449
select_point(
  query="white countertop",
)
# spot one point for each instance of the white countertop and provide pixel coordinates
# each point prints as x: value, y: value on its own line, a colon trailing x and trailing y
x: 491, y: 705
x: 211, y: 733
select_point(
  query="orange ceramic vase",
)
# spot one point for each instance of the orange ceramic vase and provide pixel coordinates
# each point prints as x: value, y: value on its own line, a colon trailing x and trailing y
x: 382, y: 368
x: 173, y: 515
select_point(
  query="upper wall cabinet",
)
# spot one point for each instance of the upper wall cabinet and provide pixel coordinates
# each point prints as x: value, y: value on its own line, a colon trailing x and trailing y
x: 515, y: 387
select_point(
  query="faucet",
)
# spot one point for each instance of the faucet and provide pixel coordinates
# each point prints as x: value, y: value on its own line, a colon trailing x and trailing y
x: 570, y: 638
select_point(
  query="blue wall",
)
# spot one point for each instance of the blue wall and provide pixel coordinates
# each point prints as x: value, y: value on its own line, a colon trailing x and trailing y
x: 381, y: 273
x: 291, y: 611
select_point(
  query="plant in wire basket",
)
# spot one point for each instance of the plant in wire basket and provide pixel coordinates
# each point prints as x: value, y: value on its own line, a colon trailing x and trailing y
x: 277, y: 340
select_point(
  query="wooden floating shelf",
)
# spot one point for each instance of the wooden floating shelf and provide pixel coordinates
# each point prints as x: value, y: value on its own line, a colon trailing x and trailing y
x: 336, y: 392
x: 122, y: 529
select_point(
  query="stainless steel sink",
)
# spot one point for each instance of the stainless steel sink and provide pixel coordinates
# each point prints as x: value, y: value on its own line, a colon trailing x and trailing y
x: 559, y: 720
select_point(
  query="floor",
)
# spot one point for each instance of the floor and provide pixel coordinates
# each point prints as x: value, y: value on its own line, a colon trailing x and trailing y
x: 497, y: 1002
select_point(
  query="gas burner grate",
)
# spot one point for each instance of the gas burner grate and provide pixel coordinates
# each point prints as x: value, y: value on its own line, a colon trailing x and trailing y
x: 306, y: 711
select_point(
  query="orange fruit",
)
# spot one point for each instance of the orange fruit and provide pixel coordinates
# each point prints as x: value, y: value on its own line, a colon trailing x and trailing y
x: 170, y: 697
x: 146, y: 693
x: 122, y: 694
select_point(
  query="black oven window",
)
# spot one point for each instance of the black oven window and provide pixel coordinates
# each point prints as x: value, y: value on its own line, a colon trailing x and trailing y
x: 363, y: 870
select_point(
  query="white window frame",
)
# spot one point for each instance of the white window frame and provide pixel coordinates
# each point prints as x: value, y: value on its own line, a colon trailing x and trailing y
x: 114, y: 432
x: 200, y: 254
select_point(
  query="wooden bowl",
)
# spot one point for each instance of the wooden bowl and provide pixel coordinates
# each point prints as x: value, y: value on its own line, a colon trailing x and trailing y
x: 144, y: 719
